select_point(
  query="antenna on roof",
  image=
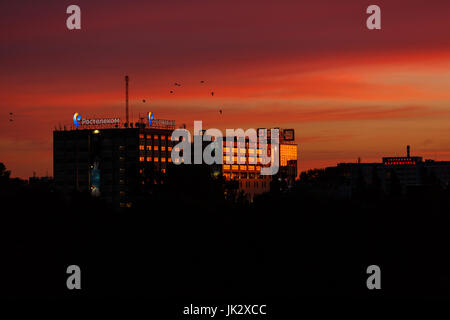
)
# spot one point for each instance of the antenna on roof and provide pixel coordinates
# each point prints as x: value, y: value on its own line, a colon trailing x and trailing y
x: 126, y: 98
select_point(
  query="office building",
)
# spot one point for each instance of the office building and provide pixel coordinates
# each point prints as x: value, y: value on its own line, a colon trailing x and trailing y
x: 247, y: 163
x: 115, y: 163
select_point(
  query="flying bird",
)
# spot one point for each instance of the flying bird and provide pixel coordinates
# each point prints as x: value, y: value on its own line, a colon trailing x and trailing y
x: 202, y: 81
x: 220, y: 111
x: 171, y: 91
x: 212, y: 93
x: 143, y: 100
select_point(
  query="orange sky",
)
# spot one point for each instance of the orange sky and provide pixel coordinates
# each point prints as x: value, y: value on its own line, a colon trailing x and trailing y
x: 309, y: 65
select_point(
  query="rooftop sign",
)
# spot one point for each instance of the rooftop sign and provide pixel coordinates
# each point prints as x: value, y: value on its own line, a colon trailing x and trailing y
x: 78, y: 120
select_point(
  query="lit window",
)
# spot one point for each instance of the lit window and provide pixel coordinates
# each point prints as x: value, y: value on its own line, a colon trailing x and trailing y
x: 170, y: 148
x: 155, y: 148
x: 141, y: 159
x: 163, y: 159
x: 169, y: 159
x: 149, y: 136
x: 169, y: 138
x: 163, y: 170
x: 141, y: 136
x: 141, y: 147
x: 149, y: 159
x: 226, y: 167
x: 163, y: 148
x: 155, y: 159
x: 163, y: 137
x: 149, y: 148
x: 155, y: 137
x: 235, y: 167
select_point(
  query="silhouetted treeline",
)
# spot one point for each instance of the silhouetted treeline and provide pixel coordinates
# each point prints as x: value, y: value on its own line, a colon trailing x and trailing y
x: 186, y: 239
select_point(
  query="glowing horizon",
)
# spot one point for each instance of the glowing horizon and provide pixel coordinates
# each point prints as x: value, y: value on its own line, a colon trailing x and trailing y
x: 348, y: 92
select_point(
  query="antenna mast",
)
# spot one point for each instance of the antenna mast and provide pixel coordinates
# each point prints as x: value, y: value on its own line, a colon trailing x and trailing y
x: 126, y: 99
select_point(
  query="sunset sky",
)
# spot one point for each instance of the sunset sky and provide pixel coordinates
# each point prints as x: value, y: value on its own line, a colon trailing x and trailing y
x: 309, y: 65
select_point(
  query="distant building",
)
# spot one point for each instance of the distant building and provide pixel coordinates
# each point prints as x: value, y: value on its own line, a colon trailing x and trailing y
x: 247, y: 171
x: 41, y: 182
x: 405, y: 172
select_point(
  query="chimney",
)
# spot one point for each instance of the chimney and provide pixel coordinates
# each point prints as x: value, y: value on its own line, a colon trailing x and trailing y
x: 408, y: 149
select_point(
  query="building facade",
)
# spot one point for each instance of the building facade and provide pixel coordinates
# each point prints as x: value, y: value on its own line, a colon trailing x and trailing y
x: 121, y: 164
x: 116, y: 164
x: 248, y: 160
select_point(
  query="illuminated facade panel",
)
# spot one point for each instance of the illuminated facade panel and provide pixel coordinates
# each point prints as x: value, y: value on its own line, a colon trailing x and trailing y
x: 287, y: 152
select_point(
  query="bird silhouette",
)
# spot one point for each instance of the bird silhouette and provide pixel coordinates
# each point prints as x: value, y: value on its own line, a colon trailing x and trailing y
x: 171, y: 91
x: 220, y: 111
x: 202, y: 81
x: 212, y: 93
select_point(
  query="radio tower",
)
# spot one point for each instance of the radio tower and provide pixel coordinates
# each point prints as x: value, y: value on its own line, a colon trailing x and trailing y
x: 126, y: 99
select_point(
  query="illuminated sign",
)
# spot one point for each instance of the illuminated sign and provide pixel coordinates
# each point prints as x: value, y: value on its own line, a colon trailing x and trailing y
x: 77, y: 120
x: 288, y: 134
x: 150, y: 118
x: 163, y: 123
x: 401, y: 161
x: 159, y: 123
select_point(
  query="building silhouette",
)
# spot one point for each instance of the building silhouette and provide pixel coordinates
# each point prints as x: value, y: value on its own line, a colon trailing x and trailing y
x: 116, y: 164
x: 124, y: 164
x: 403, y: 173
